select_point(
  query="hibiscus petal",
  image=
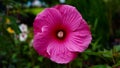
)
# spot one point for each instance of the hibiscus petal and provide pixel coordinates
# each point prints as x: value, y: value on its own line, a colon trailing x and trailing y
x: 59, y: 53
x: 48, y: 17
x: 80, y: 39
x: 71, y: 17
x: 40, y: 44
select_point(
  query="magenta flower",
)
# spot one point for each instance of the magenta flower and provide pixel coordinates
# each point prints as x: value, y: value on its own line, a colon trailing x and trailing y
x: 60, y: 33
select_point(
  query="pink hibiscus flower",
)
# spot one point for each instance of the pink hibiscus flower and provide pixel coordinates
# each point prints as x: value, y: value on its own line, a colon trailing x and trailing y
x: 60, y: 33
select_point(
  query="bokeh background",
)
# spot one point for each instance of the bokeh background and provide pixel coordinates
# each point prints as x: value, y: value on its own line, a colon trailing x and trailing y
x: 16, y: 33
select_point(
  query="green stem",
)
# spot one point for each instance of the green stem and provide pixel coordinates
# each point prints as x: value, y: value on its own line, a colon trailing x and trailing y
x: 113, y: 59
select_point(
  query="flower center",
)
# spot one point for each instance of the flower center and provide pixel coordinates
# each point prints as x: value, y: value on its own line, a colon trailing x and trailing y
x: 60, y: 34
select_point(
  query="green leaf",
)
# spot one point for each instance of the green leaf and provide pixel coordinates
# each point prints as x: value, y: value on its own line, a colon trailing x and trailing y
x: 40, y: 59
x: 100, y: 66
x: 107, y: 53
x: 95, y: 45
x: 95, y: 24
x: 37, y: 66
x: 34, y: 11
x: 117, y: 48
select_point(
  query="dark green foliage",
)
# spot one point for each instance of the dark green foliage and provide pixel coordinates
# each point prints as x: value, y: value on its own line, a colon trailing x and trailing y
x: 99, y: 14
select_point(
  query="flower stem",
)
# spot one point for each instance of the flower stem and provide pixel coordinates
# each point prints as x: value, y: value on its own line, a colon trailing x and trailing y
x: 68, y: 65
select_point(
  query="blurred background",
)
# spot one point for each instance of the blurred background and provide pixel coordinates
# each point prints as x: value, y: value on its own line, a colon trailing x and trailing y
x: 16, y: 33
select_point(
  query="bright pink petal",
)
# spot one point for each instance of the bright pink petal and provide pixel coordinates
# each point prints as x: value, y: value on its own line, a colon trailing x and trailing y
x: 80, y: 39
x: 49, y: 17
x: 71, y: 17
x: 59, y: 53
x: 40, y: 44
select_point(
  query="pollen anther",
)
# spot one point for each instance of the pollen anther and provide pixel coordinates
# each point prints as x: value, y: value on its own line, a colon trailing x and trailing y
x: 60, y: 34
